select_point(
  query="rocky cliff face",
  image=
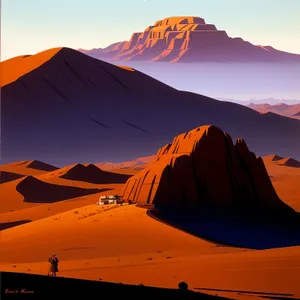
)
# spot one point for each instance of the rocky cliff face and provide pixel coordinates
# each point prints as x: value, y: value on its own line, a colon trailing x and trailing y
x: 188, y: 39
x: 204, y: 168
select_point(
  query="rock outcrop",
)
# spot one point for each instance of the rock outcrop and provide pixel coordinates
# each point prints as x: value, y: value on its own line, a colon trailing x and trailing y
x: 203, y: 168
x: 188, y: 39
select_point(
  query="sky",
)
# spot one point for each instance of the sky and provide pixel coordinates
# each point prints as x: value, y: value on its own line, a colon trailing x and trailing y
x: 31, y: 26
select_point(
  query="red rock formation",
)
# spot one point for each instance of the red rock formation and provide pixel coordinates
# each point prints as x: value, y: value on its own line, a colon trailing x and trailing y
x: 204, y: 167
x: 188, y: 39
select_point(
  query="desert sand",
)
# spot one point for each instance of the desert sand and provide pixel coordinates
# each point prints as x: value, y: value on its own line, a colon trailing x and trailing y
x: 125, y: 244
x: 285, y: 179
x: 26, y: 63
x: 48, y: 192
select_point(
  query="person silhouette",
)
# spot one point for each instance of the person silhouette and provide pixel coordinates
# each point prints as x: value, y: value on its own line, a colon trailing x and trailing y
x: 53, y: 268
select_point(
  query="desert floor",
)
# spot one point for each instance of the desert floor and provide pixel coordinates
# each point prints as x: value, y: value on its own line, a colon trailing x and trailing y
x: 123, y: 244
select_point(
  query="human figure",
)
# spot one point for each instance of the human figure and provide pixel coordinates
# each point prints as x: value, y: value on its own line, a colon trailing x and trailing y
x: 53, y: 268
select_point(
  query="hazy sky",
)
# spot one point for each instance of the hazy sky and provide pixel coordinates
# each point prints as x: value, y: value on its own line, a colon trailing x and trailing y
x: 30, y: 26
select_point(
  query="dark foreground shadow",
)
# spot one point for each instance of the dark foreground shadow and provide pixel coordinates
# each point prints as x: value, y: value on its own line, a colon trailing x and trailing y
x: 248, y: 232
x: 20, y: 285
x: 261, y: 294
x: 8, y: 225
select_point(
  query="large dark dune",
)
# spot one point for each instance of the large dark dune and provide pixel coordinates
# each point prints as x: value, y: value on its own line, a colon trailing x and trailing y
x: 35, y: 190
x: 74, y: 108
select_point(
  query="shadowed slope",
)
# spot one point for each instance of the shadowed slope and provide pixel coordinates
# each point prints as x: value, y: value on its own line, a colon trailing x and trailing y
x: 28, y: 167
x: 25, y: 63
x: 34, y: 190
x: 7, y: 176
x: 74, y: 107
x: 89, y: 173
x: 290, y: 162
x: 8, y: 225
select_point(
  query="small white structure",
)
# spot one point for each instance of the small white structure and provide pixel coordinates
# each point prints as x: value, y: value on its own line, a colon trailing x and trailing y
x: 106, y: 200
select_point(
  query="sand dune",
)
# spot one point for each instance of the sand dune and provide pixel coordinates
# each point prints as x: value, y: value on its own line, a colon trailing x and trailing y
x: 37, y: 191
x: 113, y: 228
x: 88, y: 173
x: 21, y: 191
x: 70, y: 103
x: 28, y: 167
x: 20, y: 210
x: 285, y: 180
x: 125, y: 245
x: 11, y: 199
x: 271, y: 158
x: 26, y: 63
x: 289, y: 162
x: 29, y: 192
x: 8, y: 176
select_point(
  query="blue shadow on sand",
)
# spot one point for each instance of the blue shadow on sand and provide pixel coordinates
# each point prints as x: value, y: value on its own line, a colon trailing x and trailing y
x: 252, y: 233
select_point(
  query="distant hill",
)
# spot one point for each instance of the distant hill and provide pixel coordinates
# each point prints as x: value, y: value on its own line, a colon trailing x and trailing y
x: 65, y: 107
x: 88, y: 173
x: 283, y: 109
x: 27, y: 167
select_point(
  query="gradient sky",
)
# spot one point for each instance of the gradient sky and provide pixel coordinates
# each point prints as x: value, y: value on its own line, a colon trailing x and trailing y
x: 30, y: 26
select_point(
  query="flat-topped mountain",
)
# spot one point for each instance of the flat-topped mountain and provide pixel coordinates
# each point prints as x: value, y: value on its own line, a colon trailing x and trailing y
x: 188, y: 39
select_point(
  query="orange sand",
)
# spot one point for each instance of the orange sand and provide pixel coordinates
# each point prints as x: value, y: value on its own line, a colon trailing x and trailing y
x: 23, y: 168
x: 125, y: 245
x: 286, y: 182
x: 16, y: 67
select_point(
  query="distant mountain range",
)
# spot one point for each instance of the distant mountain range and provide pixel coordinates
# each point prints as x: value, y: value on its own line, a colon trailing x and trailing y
x: 270, y: 101
x: 188, y: 39
x: 291, y: 111
x: 64, y: 107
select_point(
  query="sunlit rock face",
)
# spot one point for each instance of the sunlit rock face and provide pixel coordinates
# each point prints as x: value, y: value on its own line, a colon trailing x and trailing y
x: 188, y: 39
